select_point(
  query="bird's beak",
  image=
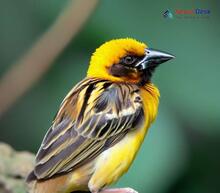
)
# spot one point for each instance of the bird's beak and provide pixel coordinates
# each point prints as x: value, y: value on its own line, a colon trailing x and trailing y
x: 153, y: 58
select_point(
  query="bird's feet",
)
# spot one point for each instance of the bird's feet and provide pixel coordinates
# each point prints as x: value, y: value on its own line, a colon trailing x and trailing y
x: 119, y: 190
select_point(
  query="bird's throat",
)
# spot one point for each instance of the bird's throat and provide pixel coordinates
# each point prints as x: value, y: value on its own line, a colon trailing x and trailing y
x: 145, y: 76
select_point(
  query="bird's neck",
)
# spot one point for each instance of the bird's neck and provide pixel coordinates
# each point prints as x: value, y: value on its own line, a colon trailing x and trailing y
x: 150, y: 95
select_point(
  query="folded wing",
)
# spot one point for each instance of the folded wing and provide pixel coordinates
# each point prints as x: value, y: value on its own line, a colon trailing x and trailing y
x: 95, y: 115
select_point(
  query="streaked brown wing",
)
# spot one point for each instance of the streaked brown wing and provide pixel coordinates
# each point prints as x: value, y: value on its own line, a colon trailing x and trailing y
x: 95, y: 115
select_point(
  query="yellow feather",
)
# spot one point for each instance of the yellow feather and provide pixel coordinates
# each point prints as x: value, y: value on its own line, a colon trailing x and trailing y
x: 114, y: 162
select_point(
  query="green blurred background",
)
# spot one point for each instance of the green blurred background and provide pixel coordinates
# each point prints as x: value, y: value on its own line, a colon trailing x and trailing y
x: 181, y: 152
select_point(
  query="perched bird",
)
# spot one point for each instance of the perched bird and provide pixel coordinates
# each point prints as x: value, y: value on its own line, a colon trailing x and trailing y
x: 101, y: 123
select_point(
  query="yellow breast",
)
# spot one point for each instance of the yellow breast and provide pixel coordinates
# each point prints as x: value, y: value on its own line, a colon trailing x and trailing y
x: 115, y: 161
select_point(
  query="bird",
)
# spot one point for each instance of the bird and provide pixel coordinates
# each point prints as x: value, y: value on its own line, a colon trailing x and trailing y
x: 101, y: 123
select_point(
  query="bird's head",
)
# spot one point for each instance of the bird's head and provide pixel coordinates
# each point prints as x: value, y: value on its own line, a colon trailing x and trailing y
x: 126, y: 60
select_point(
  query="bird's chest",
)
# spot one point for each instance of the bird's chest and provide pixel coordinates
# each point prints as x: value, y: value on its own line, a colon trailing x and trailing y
x: 115, y: 161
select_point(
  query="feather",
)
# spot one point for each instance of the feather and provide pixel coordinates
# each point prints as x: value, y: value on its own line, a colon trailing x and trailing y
x: 94, y: 116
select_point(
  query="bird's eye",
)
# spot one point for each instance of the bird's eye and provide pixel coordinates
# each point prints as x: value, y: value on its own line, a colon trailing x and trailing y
x: 129, y: 60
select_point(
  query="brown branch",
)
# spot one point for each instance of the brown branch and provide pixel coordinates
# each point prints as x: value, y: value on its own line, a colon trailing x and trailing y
x: 40, y: 57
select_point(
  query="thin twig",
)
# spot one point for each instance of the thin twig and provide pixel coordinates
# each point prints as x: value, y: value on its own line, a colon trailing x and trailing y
x: 23, y: 74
